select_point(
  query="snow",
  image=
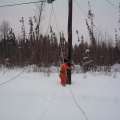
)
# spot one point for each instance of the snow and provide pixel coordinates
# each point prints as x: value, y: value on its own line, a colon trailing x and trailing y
x: 32, y: 96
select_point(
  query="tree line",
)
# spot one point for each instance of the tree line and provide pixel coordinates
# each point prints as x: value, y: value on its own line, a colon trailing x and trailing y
x: 48, y: 50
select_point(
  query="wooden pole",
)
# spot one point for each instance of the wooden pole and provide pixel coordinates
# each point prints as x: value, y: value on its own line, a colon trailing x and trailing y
x: 69, y: 51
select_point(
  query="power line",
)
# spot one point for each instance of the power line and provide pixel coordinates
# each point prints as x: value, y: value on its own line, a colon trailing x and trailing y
x: 81, y: 9
x: 112, y: 4
x: 87, y: 17
x: 57, y: 32
x: 21, y: 4
x: 49, y: 22
x: 30, y: 46
x: 94, y: 25
x: 14, y: 77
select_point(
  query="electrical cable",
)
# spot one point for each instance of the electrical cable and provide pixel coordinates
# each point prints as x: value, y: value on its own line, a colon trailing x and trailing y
x: 112, y: 4
x: 94, y: 25
x: 30, y: 47
x: 87, y: 17
x: 66, y: 74
x: 14, y: 77
x: 78, y: 104
x: 21, y: 4
x: 57, y: 32
x: 81, y: 8
x: 49, y: 22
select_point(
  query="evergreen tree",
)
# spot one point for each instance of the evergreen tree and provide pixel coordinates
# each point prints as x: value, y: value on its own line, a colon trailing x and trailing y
x: 86, y: 61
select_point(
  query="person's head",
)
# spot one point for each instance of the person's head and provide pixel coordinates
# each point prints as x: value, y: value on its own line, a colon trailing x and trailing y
x: 65, y: 60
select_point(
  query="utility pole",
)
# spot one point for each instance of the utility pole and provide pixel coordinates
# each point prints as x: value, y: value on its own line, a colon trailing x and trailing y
x: 69, y: 50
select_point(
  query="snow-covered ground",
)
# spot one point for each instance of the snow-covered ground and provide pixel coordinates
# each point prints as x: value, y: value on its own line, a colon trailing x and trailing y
x: 32, y: 96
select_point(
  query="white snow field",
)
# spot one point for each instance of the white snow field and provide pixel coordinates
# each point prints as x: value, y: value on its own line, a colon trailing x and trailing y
x: 32, y: 96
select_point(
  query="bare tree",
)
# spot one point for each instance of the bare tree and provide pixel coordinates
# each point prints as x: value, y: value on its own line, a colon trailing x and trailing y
x: 4, y: 28
x: 23, y: 29
x: 38, y: 18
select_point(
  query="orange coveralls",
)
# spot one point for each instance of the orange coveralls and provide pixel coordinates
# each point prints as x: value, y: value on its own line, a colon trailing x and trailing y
x: 63, y: 73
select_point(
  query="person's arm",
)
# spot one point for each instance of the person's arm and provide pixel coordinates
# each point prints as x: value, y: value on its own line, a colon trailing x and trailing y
x: 67, y: 67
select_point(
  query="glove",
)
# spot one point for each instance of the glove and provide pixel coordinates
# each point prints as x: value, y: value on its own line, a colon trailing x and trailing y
x: 72, y: 67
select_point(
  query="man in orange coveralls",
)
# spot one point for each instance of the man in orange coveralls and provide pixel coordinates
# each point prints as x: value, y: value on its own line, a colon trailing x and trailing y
x: 63, y: 72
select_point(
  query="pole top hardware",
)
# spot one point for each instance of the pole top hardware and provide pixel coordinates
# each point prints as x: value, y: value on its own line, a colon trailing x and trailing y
x: 50, y: 1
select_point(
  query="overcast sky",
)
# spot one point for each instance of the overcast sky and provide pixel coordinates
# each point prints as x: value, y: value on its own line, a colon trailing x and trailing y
x: 106, y: 16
